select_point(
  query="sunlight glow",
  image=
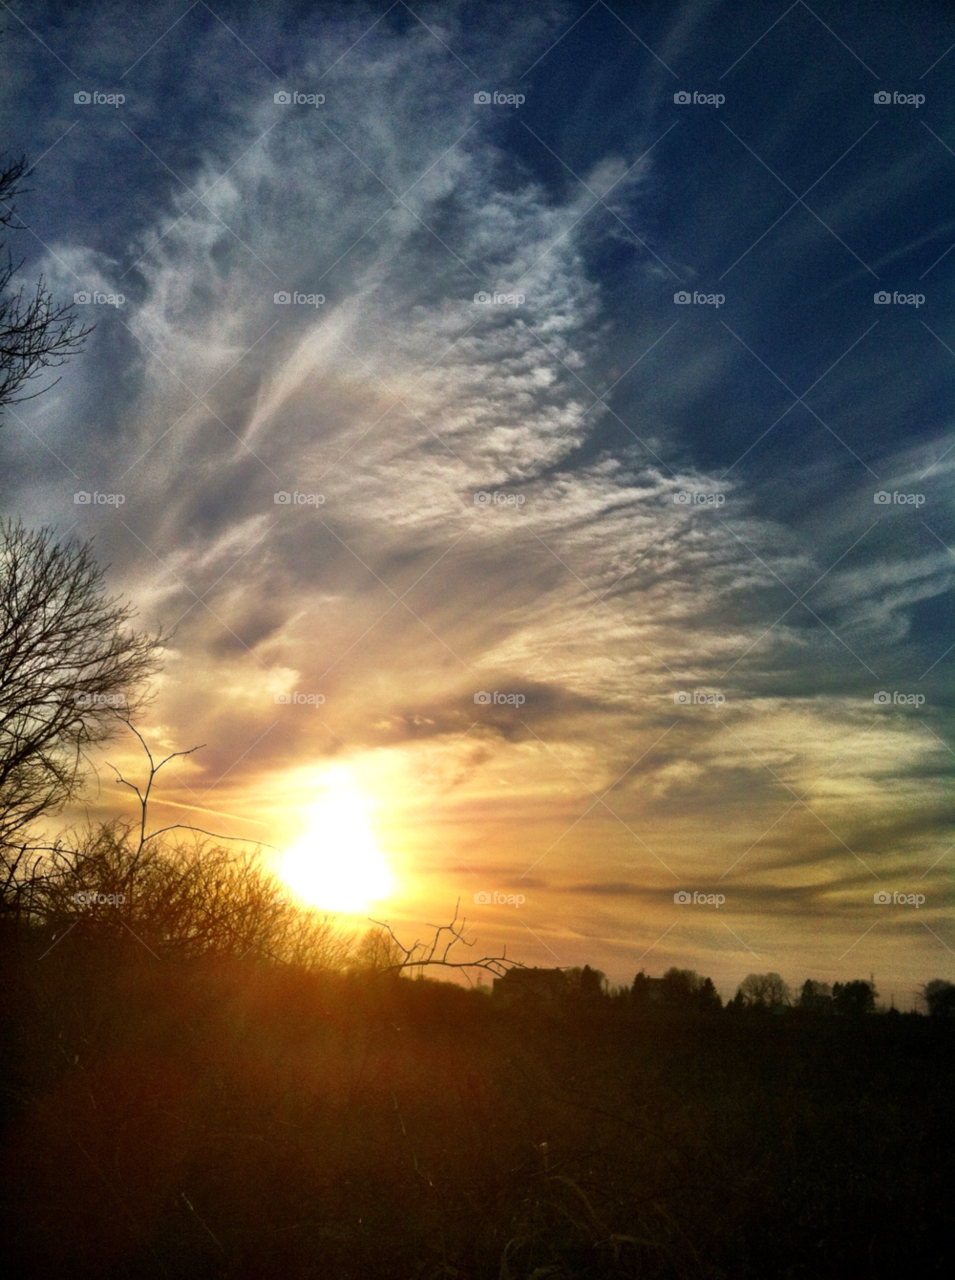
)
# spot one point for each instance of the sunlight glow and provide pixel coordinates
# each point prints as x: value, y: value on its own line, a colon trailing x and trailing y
x: 336, y: 864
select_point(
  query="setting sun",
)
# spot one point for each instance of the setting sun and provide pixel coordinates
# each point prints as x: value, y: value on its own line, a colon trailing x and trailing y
x: 336, y: 864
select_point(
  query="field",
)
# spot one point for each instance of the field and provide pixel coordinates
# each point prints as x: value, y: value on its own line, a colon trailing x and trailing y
x: 207, y: 1119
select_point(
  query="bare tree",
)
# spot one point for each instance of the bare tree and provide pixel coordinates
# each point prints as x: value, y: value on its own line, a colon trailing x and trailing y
x: 68, y: 659
x: 35, y: 332
x: 764, y: 990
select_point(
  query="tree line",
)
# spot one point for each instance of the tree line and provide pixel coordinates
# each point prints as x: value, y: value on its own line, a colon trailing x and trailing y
x: 768, y: 992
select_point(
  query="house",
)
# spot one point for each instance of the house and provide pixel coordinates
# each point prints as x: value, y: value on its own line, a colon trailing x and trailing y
x: 648, y: 990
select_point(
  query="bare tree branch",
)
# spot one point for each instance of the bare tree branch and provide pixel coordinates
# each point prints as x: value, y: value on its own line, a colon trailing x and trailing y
x: 35, y: 332
x: 434, y: 954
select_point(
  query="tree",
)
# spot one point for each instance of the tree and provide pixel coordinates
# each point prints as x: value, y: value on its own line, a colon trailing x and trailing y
x: 939, y: 996
x: 708, y: 997
x: 640, y: 991
x: 815, y: 997
x: 69, y: 660
x: 35, y: 333
x: 853, y: 999
x: 764, y: 991
x: 586, y: 984
x: 686, y: 989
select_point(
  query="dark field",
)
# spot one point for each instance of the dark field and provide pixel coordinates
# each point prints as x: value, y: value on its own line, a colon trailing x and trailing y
x: 166, y: 1118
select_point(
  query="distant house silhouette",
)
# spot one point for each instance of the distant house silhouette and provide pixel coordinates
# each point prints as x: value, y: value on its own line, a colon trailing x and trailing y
x: 536, y: 986
x: 648, y: 990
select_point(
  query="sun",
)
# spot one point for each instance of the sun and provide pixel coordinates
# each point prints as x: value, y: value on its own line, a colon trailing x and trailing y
x: 336, y: 864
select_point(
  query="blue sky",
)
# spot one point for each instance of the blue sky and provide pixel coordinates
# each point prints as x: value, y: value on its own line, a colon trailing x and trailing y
x: 686, y: 491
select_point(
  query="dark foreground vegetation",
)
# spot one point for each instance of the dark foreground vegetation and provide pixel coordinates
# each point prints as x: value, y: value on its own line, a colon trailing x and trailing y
x: 198, y: 1115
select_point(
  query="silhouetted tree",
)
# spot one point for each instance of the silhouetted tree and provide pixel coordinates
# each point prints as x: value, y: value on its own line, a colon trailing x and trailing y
x: 68, y: 661
x: 35, y: 333
x: 939, y: 996
x: 764, y: 991
x: 815, y: 997
x: 586, y: 984
x: 708, y: 997
x: 853, y: 999
x: 686, y: 989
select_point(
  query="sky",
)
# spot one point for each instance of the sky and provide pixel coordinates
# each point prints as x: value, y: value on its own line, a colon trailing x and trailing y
x: 535, y: 422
